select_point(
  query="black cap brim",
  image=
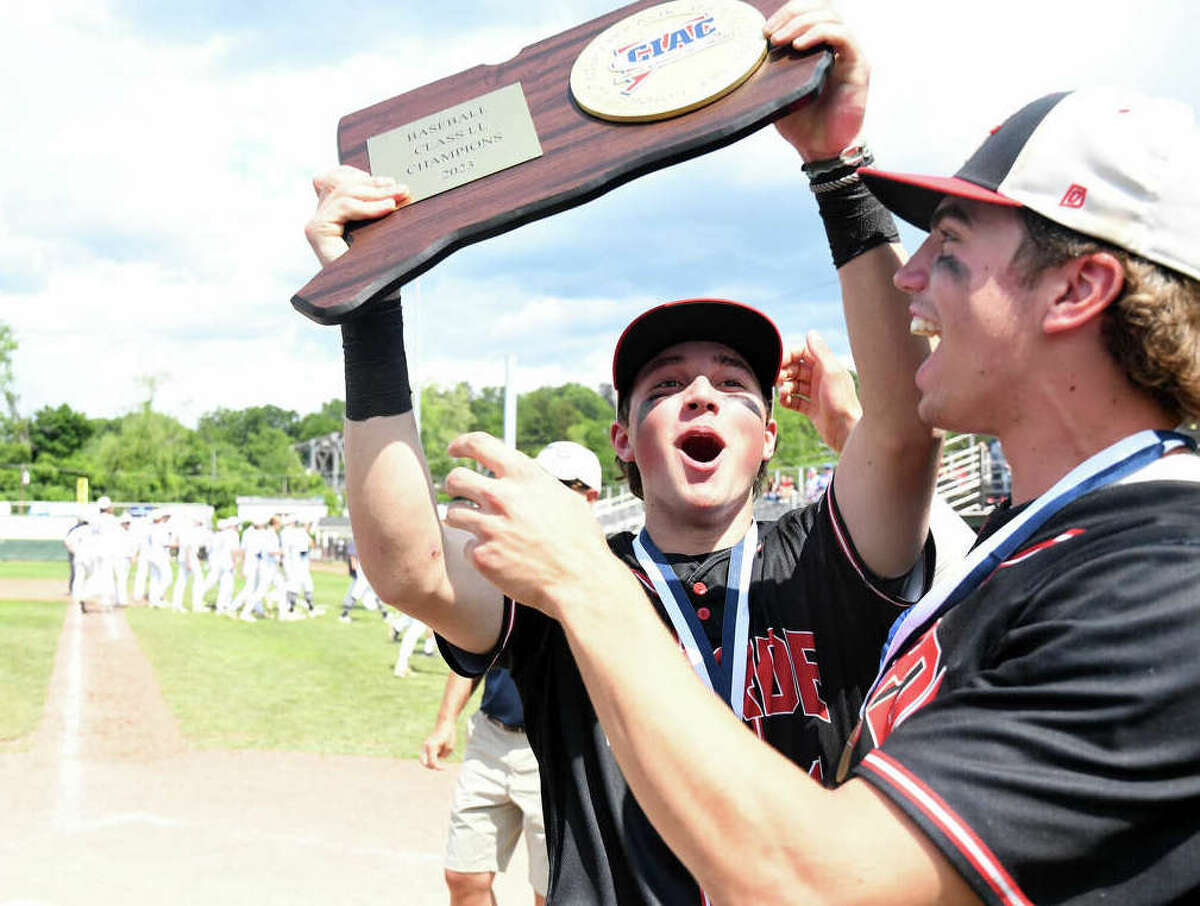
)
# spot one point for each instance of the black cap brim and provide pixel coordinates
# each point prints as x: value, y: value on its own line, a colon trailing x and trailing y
x: 748, y: 331
x: 914, y: 197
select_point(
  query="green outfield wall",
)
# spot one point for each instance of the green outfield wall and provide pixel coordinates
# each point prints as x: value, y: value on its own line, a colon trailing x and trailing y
x: 24, y: 549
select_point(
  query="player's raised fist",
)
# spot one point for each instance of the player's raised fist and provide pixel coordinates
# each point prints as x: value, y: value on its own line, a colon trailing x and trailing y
x: 833, y: 121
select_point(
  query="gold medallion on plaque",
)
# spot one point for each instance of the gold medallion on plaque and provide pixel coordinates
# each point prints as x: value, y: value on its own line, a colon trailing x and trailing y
x: 669, y: 59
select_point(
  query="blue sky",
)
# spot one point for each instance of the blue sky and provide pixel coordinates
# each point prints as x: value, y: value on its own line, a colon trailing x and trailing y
x: 160, y: 154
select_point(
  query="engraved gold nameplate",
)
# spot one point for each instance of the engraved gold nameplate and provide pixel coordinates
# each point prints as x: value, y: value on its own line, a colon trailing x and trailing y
x: 530, y: 150
x: 455, y: 146
x: 669, y: 59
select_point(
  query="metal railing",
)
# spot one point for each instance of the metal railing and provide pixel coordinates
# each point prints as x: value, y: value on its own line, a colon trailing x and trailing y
x: 960, y: 475
x: 620, y: 513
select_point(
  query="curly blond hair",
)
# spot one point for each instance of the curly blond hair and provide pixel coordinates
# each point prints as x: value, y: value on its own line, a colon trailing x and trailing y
x: 1152, y: 330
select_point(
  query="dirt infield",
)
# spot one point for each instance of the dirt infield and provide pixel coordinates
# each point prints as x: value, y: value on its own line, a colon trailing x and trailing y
x: 110, y: 805
x: 34, y: 590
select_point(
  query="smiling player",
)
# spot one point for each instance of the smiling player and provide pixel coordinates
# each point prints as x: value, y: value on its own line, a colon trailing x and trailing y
x: 1028, y: 737
x: 782, y: 620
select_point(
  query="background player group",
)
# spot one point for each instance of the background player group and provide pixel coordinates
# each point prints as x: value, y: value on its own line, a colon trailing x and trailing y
x: 274, y: 555
x: 1031, y: 735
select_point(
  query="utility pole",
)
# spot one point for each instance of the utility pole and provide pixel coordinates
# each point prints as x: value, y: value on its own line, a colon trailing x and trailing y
x: 510, y: 401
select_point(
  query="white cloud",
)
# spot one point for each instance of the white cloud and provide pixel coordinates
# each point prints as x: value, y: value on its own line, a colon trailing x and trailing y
x: 153, y: 193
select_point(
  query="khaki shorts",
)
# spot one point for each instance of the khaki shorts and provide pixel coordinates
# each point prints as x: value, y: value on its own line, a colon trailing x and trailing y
x: 498, y: 795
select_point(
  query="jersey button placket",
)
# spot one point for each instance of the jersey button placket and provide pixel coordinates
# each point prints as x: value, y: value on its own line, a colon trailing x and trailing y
x: 699, y: 589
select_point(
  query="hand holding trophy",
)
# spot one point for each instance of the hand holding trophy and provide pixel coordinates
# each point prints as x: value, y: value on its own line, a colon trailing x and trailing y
x: 482, y: 152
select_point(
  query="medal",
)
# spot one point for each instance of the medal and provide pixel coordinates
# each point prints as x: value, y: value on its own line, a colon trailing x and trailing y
x: 1104, y: 468
x: 735, y: 627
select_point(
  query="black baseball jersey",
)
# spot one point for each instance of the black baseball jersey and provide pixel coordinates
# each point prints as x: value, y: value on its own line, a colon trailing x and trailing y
x: 817, y: 621
x: 1045, y: 732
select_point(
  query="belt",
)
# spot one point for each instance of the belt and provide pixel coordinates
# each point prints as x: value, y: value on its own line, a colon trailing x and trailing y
x: 508, y: 728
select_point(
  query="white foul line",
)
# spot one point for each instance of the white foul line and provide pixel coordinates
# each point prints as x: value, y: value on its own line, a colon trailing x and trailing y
x: 69, y: 768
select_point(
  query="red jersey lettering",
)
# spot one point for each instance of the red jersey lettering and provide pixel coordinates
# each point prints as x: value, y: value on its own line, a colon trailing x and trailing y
x: 909, y: 684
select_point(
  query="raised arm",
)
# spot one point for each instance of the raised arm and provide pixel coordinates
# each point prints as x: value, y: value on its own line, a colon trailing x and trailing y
x: 886, y: 474
x: 410, y: 562
x: 816, y: 384
x: 749, y: 825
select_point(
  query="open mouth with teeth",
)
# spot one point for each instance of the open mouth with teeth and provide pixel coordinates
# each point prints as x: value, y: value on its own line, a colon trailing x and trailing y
x: 923, y: 327
x: 701, y: 447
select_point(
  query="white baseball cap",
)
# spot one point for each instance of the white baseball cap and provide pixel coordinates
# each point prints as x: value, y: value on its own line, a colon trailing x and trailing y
x: 568, y: 461
x: 104, y: 503
x: 1111, y: 164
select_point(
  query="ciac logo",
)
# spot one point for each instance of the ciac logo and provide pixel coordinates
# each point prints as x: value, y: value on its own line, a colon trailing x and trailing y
x: 634, y: 63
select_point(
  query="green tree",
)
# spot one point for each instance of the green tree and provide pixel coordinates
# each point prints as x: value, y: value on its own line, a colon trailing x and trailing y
x: 550, y: 413
x: 445, y: 414
x: 568, y: 412
x: 254, y: 452
x: 798, y: 443
x: 58, y: 431
x: 487, y: 411
x: 141, y: 459
x: 327, y: 420
x: 238, y: 426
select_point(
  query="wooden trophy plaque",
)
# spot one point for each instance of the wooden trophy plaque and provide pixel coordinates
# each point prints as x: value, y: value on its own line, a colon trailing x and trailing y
x: 648, y: 85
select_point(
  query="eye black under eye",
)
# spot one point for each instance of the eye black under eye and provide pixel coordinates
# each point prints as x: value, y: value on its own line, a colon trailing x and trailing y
x: 948, y: 262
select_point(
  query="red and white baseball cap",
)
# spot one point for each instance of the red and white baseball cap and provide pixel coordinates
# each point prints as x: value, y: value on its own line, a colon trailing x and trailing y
x: 1110, y: 164
x: 738, y: 326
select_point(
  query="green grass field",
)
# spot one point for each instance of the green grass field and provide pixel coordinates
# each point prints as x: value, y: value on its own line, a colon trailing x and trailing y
x: 315, y: 685
x: 33, y: 569
x: 29, y: 633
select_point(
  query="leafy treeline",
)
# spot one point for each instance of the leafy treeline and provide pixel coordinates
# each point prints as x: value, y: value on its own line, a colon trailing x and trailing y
x: 149, y: 456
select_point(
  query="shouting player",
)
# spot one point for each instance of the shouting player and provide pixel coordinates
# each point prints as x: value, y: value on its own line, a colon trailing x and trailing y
x: 783, y: 620
x: 1031, y: 735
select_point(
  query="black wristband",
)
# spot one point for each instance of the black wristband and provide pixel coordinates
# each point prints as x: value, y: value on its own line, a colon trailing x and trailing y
x: 376, y: 366
x: 855, y: 221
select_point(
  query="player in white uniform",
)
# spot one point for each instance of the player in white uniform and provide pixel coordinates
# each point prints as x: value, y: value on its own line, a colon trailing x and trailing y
x: 360, y: 590
x: 126, y: 551
x: 191, y: 536
x: 269, y: 588
x: 413, y: 630
x: 107, y: 550
x: 158, y: 543
x: 84, y: 548
x: 71, y: 542
x: 141, y: 533
x: 221, y: 554
x: 252, y: 543
x: 295, y: 544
